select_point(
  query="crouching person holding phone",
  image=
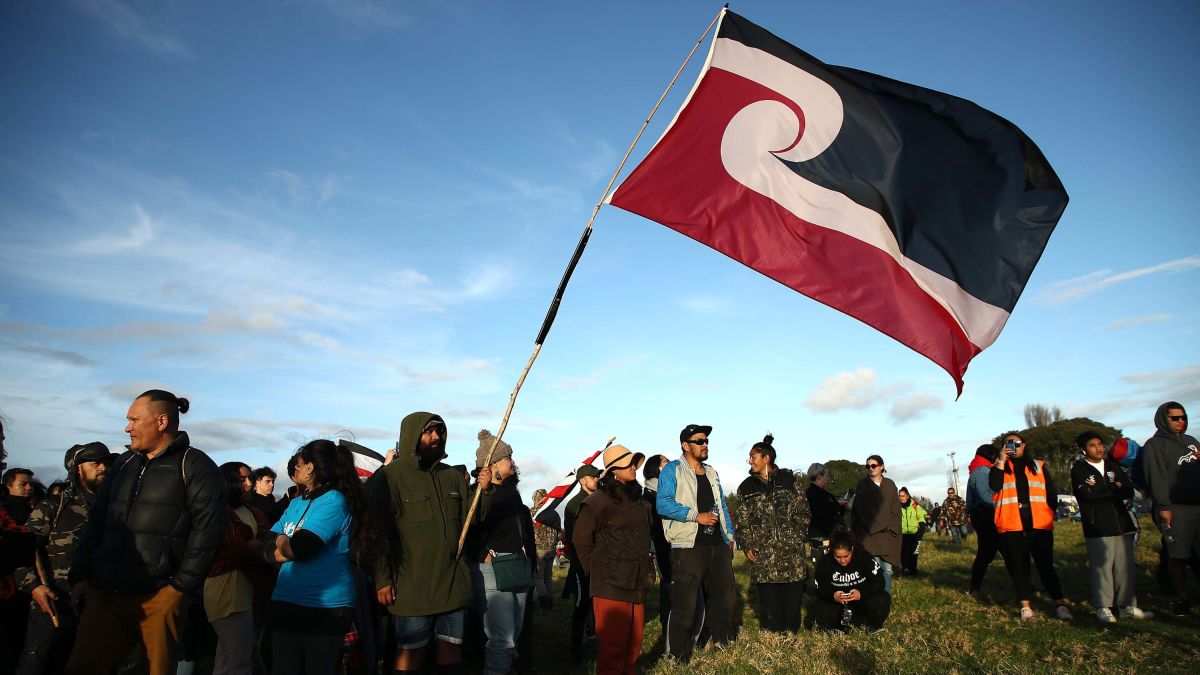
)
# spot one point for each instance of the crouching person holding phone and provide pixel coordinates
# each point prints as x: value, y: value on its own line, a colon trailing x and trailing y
x: 850, y: 589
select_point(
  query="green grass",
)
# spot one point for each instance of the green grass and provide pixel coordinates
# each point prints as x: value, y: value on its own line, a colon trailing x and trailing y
x: 935, y: 626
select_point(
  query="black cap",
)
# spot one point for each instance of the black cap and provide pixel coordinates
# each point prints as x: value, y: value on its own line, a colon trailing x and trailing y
x: 87, y: 452
x: 693, y: 429
x: 586, y: 470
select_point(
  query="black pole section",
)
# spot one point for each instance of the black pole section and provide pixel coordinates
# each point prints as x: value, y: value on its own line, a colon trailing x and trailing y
x: 562, y: 287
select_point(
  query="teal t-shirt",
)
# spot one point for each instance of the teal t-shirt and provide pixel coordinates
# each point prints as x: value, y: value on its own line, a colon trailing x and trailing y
x: 323, y: 580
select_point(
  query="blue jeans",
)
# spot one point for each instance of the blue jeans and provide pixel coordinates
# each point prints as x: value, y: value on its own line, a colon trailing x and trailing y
x: 957, y: 532
x: 503, y: 613
x: 887, y: 574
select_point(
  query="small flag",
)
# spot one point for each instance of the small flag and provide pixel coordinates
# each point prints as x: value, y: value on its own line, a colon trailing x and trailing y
x: 366, y: 460
x: 553, y: 510
x: 916, y: 212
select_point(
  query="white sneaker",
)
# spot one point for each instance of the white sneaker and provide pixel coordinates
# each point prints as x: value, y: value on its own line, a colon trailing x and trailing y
x: 1026, y: 614
x: 1105, y: 615
x: 1063, y: 613
x: 1135, y: 612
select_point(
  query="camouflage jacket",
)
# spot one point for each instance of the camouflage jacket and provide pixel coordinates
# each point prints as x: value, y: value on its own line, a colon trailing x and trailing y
x: 57, y: 525
x: 772, y: 520
x: 954, y: 510
x: 545, y: 538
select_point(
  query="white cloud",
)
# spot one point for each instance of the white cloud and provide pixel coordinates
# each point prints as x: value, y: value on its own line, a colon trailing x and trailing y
x: 856, y: 389
x: 1138, y: 321
x: 1072, y: 289
x: 906, y: 473
x: 1145, y: 392
x: 706, y: 304
x: 358, y: 17
x: 126, y: 23
x: 860, y: 389
x: 913, y: 407
x: 597, y: 376
x: 140, y: 233
x: 294, y: 184
x: 62, y: 356
x: 329, y: 189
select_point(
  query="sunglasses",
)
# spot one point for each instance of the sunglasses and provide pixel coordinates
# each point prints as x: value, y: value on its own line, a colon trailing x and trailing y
x: 1177, y: 418
x: 702, y: 441
x: 874, y: 466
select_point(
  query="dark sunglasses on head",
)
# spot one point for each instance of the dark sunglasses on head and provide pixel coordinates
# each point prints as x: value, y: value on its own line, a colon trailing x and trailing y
x: 872, y: 466
x: 701, y: 441
x: 1177, y: 418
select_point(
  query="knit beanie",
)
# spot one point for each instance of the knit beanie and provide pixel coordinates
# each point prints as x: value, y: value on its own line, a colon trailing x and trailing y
x: 485, y: 443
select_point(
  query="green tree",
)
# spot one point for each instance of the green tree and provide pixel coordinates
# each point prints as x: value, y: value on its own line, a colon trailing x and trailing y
x: 1054, y: 443
x: 845, y: 475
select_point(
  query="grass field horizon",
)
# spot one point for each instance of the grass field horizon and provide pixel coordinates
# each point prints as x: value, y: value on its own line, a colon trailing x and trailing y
x: 936, y: 626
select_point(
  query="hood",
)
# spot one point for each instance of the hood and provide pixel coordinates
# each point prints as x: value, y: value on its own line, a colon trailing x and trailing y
x: 410, y: 436
x: 977, y: 462
x: 1160, y: 419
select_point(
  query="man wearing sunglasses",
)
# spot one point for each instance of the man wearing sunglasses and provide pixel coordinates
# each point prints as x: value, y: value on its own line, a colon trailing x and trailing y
x: 696, y: 523
x: 1172, y: 463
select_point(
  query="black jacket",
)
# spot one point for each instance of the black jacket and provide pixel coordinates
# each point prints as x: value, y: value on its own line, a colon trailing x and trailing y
x: 154, y: 523
x: 662, y: 549
x: 1102, y: 502
x: 827, y: 513
x: 508, y: 527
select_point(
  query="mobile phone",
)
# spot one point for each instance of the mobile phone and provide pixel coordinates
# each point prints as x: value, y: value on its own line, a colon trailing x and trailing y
x: 1010, y: 448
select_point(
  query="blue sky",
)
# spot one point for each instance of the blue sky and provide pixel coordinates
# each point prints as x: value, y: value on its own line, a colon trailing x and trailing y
x: 313, y: 217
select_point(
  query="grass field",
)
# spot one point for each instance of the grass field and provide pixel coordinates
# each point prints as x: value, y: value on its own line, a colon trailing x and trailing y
x: 936, y: 627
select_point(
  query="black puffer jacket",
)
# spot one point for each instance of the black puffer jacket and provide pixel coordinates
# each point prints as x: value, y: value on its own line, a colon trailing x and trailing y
x: 154, y: 523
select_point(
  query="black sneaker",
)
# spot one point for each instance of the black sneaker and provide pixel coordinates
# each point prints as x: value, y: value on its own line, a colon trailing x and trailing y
x: 1181, y: 608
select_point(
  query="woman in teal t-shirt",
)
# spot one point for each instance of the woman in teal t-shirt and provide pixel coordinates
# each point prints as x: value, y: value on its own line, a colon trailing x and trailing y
x: 313, y: 602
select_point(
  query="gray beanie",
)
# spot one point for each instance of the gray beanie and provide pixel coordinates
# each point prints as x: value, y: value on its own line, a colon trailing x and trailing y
x: 485, y: 443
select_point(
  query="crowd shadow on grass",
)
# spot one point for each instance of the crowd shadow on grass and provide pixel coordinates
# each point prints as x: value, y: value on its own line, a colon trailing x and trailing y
x: 854, y: 658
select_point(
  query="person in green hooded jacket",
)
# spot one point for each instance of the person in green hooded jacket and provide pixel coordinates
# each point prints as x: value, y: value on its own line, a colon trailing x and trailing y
x: 912, y: 529
x: 420, y: 505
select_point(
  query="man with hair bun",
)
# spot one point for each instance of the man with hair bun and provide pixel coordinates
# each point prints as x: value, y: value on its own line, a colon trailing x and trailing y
x: 148, y: 543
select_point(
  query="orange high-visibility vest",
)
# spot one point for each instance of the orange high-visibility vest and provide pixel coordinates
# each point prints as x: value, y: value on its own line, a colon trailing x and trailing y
x: 1008, y: 509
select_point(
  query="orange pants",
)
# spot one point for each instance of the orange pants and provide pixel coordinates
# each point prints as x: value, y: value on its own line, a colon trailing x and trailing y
x: 618, y: 635
x: 111, y: 625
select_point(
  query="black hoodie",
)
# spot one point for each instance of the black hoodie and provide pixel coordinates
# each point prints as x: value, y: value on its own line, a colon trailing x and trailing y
x: 1165, y: 453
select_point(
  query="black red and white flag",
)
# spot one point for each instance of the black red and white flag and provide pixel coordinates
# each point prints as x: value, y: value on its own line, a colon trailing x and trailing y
x: 916, y: 212
x: 553, y: 510
x: 366, y: 460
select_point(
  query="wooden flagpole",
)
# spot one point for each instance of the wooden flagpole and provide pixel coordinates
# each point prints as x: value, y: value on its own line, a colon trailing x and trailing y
x: 552, y: 312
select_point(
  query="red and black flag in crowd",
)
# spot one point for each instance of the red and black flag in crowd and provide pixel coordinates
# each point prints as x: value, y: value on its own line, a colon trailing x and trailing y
x: 553, y: 509
x: 919, y: 213
x: 366, y: 460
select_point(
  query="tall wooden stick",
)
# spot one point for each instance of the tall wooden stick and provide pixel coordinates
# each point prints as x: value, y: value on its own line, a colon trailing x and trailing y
x: 552, y: 312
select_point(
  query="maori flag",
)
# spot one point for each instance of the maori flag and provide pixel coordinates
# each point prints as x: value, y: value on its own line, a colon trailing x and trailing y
x: 366, y: 460
x: 913, y: 211
x: 553, y: 510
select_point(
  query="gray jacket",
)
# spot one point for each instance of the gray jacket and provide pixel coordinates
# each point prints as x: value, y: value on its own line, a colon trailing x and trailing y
x: 1164, y: 453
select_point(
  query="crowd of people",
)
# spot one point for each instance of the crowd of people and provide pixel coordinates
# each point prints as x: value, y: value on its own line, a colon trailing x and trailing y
x: 134, y: 553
